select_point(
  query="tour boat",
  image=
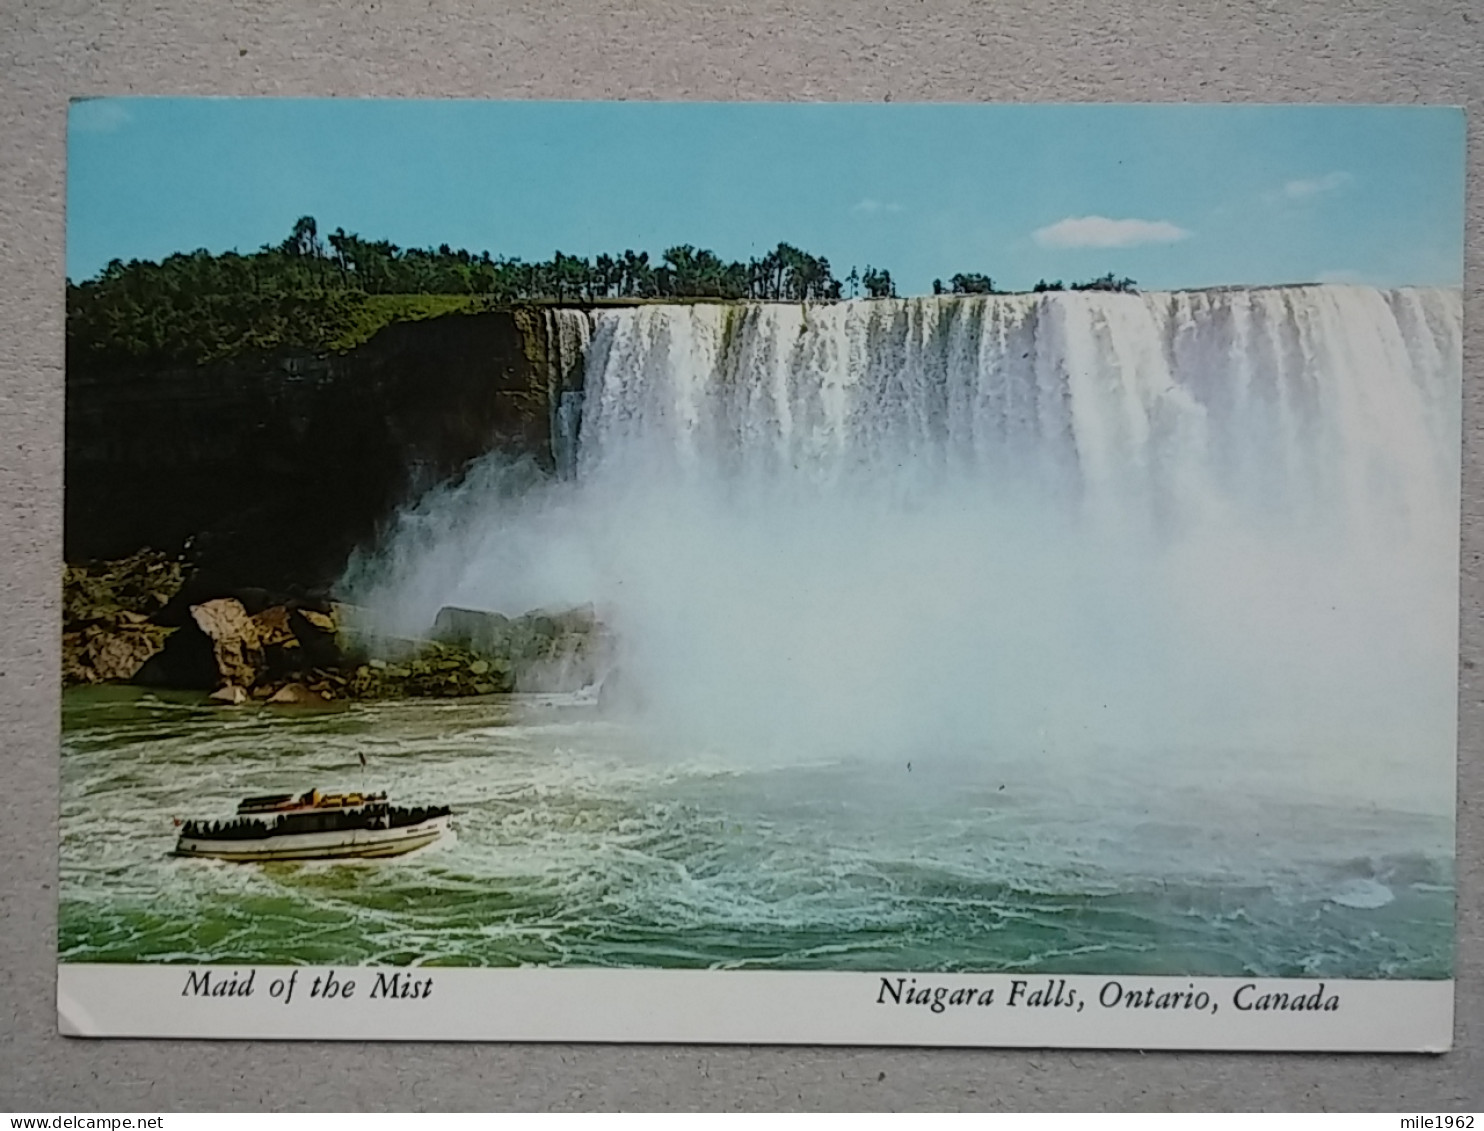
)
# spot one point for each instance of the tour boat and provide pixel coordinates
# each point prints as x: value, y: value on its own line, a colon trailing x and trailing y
x: 314, y: 826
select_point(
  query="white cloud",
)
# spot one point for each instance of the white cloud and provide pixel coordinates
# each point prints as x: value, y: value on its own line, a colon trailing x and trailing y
x: 871, y: 207
x: 1099, y: 231
x: 98, y: 116
x: 1309, y: 187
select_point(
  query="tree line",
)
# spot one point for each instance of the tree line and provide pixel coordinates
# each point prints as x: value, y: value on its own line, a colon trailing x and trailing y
x: 313, y: 292
x: 984, y: 285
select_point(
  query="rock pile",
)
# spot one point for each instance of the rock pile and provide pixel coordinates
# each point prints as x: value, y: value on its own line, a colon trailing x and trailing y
x: 434, y: 670
x: 144, y: 620
x: 282, y: 653
x: 107, y: 631
x: 545, y: 650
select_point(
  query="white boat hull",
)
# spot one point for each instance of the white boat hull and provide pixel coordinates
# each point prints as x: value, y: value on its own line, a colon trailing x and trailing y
x: 346, y: 844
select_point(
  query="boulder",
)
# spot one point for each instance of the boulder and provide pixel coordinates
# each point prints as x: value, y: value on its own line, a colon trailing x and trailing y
x: 234, y: 637
x: 318, y: 637
x: 474, y: 629
x: 551, y: 649
x: 280, y: 633
x: 229, y: 696
x: 272, y: 628
x: 542, y: 625
x: 116, y: 655
x: 297, y: 693
x: 322, y: 622
x: 110, y: 652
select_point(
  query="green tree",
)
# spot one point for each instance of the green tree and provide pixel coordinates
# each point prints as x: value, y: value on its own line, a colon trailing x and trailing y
x: 1106, y: 282
x: 305, y: 293
x: 878, y: 284
x: 972, y: 284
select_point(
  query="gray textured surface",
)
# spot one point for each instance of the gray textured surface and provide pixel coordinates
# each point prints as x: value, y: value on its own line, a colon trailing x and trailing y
x: 1240, y: 50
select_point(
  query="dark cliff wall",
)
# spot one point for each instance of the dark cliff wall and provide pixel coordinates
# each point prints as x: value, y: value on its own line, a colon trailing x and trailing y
x: 274, y: 469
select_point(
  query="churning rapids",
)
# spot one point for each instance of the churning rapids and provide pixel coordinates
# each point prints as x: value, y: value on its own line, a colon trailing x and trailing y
x: 1068, y: 632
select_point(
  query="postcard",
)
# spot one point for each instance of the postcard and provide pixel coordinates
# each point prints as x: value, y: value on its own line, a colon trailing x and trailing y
x: 855, y: 574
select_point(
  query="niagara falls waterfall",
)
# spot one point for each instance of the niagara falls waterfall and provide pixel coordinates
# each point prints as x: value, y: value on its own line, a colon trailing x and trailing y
x: 1207, y: 520
x: 1305, y: 398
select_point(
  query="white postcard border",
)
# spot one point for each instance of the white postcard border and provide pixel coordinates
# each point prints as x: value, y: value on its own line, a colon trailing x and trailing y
x: 751, y: 1007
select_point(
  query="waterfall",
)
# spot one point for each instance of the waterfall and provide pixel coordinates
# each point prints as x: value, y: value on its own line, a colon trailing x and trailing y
x: 567, y: 335
x: 1294, y: 401
x: 1210, y: 520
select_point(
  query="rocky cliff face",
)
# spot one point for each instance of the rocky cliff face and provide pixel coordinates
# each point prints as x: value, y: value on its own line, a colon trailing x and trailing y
x: 273, y: 469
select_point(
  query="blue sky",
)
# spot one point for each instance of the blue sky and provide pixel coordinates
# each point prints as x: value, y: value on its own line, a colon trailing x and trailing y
x: 1174, y: 196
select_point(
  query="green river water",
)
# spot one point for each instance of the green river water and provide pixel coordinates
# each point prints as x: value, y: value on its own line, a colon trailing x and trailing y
x: 581, y: 842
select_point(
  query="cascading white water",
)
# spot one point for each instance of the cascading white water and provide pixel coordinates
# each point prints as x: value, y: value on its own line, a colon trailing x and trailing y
x: 1202, y: 520
x: 1285, y: 400
x: 567, y: 336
